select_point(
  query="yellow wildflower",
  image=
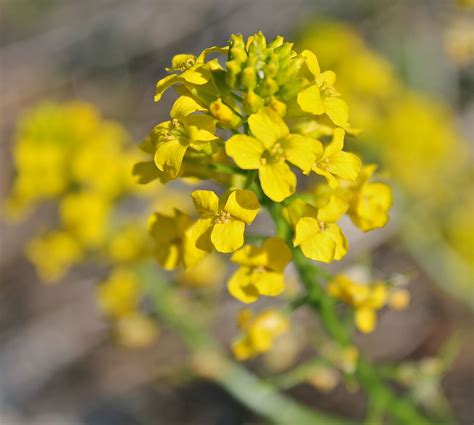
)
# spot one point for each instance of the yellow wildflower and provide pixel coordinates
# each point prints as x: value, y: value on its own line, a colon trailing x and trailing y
x: 321, y: 97
x: 260, y: 332
x: 171, y: 245
x: 366, y: 299
x: 334, y: 163
x: 261, y: 270
x: 85, y: 215
x: 118, y: 296
x: 187, y: 69
x: 269, y: 150
x: 206, y: 274
x: 136, y: 330
x: 222, y: 222
x: 53, y: 254
x: 398, y: 298
x: 369, y: 202
x: 170, y: 140
x: 317, y: 233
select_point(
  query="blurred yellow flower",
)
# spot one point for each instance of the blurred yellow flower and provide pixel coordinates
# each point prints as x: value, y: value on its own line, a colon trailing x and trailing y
x: 366, y: 299
x: 53, y: 254
x: 261, y: 270
x: 260, y: 332
x: 136, y: 330
x: 119, y: 294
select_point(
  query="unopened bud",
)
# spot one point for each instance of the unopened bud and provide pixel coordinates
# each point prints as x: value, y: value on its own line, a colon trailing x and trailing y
x: 224, y: 114
x: 249, y: 78
x: 252, y: 102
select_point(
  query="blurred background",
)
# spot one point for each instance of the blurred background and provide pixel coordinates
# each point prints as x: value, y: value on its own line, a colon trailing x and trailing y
x: 407, y: 71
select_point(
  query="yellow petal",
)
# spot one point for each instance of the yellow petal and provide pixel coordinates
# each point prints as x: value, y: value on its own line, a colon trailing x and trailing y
x: 242, y: 205
x: 278, y: 255
x: 311, y: 62
x: 333, y: 210
x: 241, y: 287
x: 310, y: 101
x: 327, y: 77
x: 336, y: 144
x: 277, y: 180
x: 195, y: 75
x: 336, y: 109
x: 340, y: 241
x: 163, y: 85
x: 332, y: 181
x: 267, y: 126
x: 169, y: 156
x: 306, y: 228
x: 321, y: 247
x: 246, y: 151
x: 197, y: 242
x: 346, y: 165
x: 145, y: 172
x: 168, y: 256
x: 227, y: 237
x: 184, y: 106
x: 270, y: 284
x: 242, y: 349
x: 302, y: 151
x: 205, y: 201
x: 365, y: 319
x: 200, y: 128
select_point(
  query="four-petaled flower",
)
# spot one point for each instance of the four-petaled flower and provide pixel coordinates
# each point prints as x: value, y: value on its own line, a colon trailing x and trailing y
x: 269, y: 150
x: 260, y: 331
x: 320, y: 97
x: 317, y: 233
x: 222, y: 222
x: 261, y: 270
x: 334, y: 164
x: 170, y: 140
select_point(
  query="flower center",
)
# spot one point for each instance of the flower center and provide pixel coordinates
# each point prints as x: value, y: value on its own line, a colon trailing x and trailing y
x: 274, y: 154
x: 322, y: 225
x: 222, y: 217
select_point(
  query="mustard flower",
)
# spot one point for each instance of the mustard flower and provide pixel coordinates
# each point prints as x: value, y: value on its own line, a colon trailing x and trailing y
x: 369, y: 202
x: 317, y: 233
x: 222, y: 220
x: 320, y: 97
x: 260, y: 331
x: 334, y: 164
x: 187, y: 69
x: 366, y: 299
x: 170, y: 140
x: 172, y: 247
x: 269, y: 150
x: 261, y: 270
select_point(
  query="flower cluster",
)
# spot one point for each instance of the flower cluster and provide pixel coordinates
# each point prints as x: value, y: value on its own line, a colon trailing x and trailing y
x: 261, y: 120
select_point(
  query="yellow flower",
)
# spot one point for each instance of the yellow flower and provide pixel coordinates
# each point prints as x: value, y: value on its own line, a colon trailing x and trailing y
x: 171, y: 245
x: 366, y: 299
x: 118, y: 296
x: 222, y: 222
x: 136, y: 330
x: 269, y: 150
x: 187, y: 69
x: 369, y: 202
x: 260, y: 331
x: 261, y: 270
x: 334, y: 163
x: 317, y: 233
x: 321, y: 97
x: 85, y: 215
x: 206, y: 274
x: 128, y: 244
x: 170, y: 140
x: 53, y: 254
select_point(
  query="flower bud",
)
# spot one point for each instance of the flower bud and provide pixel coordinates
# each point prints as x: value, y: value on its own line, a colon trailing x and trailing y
x: 224, y: 114
x: 249, y: 78
x: 252, y: 102
x: 268, y: 87
x: 233, y: 71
